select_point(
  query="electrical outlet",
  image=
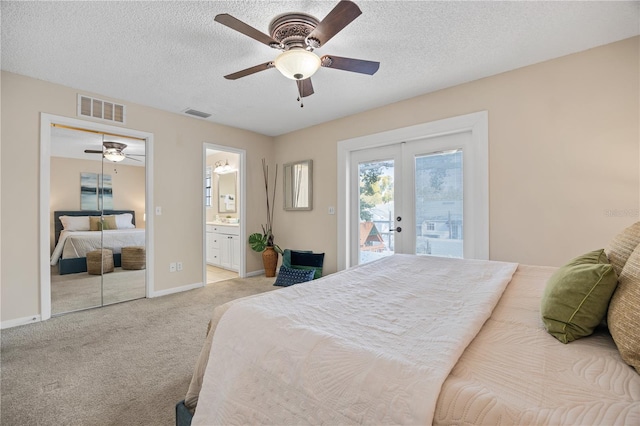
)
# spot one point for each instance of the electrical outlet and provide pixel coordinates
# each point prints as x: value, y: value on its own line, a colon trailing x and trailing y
x: 172, y: 267
x: 332, y: 210
x: 179, y: 266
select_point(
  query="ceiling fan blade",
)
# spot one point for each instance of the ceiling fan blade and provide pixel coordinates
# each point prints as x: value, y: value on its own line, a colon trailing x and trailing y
x: 91, y: 151
x: 135, y: 155
x: 131, y: 158
x: 339, y: 17
x: 248, y: 30
x: 249, y: 71
x: 350, y: 64
x: 305, y: 88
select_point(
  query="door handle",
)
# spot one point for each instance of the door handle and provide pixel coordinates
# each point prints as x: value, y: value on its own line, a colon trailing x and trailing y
x: 398, y: 229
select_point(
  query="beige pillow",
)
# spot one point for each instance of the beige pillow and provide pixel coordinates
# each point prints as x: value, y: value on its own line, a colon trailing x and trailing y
x: 620, y: 248
x: 623, y: 317
x: 75, y: 223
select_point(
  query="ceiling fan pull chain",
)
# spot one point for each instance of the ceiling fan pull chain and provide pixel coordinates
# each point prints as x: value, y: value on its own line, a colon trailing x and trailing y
x: 299, y: 99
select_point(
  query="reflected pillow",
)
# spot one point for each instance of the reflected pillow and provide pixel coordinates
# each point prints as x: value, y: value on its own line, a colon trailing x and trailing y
x: 289, y: 276
x: 108, y: 222
x: 75, y: 223
x: 124, y: 221
x: 577, y: 295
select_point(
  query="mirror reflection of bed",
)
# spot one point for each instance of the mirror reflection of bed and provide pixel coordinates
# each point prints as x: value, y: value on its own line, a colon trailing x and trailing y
x: 76, y: 282
x: 78, y: 279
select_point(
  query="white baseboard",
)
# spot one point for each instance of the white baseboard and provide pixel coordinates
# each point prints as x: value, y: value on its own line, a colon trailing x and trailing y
x: 255, y: 273
x: 20, y: 321
x: 175, y: 290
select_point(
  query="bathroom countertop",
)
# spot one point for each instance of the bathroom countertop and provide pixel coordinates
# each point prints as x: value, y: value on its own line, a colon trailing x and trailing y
x: 222, y: 223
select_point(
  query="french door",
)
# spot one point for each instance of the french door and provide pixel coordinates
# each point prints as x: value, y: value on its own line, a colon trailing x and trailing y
x: 409, y: 197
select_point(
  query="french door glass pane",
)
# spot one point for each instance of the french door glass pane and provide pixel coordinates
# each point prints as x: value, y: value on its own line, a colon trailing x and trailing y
x: 375, y: 210
x: 438, y: 196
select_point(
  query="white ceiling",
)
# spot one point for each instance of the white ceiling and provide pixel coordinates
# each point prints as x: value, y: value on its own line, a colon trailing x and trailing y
x: 173, y: 56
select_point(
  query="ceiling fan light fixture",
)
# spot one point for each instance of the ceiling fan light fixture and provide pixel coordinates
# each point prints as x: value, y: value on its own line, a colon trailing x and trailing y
x: 114, y: 155
x: 223, y: 168
x: 297, y: 64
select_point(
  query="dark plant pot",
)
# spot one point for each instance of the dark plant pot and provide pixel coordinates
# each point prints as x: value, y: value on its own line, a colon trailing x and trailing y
x: 270, y: 261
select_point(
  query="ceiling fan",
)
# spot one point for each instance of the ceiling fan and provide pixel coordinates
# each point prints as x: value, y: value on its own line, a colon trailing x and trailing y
x: 112, y: 151
x: 297, y: 35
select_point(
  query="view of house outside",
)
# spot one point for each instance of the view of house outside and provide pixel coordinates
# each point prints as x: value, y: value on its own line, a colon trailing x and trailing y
x: 438, y: 195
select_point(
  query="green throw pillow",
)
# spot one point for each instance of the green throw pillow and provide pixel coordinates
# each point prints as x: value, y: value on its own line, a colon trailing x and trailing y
x: 286, y: 257
x: 303, y: 259
x: 577, y: 295
x: 317, y: 271
x: 107, y: 222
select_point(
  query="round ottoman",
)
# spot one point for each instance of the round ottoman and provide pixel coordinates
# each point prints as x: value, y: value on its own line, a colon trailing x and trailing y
x: 134, y: 257
x: 99, y: 261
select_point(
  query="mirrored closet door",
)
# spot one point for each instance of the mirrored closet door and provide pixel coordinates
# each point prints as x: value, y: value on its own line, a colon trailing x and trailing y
x: 97, y: 206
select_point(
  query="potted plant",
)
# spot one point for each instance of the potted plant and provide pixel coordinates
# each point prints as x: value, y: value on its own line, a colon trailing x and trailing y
x: 263, y: 242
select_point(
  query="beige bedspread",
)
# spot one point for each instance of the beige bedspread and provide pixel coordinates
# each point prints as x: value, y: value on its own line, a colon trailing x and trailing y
x: 73, y: 244
x: 370, y: 345
x: 515, y: 373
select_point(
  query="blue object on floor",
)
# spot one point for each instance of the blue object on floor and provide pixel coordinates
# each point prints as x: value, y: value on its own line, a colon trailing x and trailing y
x: 305, y: 260
x: 183, y: 415
x: 290, y: 276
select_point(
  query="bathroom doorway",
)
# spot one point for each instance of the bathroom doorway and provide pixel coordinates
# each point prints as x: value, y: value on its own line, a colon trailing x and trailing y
x: 223, y: 203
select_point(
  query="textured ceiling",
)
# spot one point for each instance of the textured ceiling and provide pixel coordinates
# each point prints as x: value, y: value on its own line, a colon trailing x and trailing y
x: 173, y: 56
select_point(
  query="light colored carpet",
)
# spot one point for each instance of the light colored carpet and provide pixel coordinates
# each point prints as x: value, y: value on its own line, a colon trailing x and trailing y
x: 72, y: 292
x: 123, y: 364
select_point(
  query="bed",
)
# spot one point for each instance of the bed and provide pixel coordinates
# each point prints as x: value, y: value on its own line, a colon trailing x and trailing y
x: 76, y: 240
x: 407, y: 340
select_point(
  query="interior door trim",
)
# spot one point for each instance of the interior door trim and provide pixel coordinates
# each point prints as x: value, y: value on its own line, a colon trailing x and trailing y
x: 46, y: 122
x: 242, y: 197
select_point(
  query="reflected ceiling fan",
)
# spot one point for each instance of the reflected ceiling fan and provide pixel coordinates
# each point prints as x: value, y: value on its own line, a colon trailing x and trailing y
x: 113, y: 151
x: 297, y: 35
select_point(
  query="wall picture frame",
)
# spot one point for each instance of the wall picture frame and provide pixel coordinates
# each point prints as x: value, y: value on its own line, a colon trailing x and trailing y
x: 96, y: 191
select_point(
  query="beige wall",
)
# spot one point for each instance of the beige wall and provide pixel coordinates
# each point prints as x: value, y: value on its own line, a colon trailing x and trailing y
x: 177, y: 164
x: 128, y: 183
x: 563, y: 147
x: 564, y: 170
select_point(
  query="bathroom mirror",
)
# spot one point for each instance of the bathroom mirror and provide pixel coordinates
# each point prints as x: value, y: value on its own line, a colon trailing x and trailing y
x: 227, y: 193
x: 298, y: 185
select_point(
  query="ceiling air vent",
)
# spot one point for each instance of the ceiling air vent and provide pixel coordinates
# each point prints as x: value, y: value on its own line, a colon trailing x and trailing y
x: 196, y: 113
x: 103, y: 110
